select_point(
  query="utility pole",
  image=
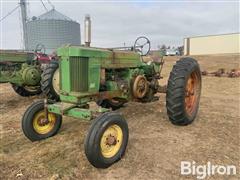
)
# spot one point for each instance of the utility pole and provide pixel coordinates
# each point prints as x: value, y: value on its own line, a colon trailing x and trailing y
x: 23, y: 6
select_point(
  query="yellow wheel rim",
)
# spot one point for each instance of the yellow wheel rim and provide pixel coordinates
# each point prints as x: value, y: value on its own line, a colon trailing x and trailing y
x: 111, y: 141
x: 41, y: 125
x: 55, y: 81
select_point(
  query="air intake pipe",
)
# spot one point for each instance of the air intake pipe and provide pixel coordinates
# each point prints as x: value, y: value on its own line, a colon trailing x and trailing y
x: 87, y: 30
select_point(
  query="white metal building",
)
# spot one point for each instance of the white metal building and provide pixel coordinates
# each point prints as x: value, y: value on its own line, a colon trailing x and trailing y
x: 212, y: 44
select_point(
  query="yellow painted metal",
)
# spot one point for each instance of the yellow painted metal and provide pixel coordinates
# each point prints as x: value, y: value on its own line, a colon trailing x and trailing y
x: 44, y: 128
x: 113, y: 134
x: 140, y: 86
x: 56, y: 81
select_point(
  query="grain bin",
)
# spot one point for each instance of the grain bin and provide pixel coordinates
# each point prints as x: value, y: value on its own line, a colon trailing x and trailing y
x: 52, y: 30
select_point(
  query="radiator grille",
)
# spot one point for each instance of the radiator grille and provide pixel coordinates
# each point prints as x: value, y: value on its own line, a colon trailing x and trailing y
x: 79, y: 74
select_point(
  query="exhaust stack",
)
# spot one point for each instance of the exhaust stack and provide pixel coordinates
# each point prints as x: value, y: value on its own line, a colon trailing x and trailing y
x: 87, y: 30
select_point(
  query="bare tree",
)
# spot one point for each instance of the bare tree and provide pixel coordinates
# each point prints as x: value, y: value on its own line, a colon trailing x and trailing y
x: 163, y: 49
x: 180, y: 49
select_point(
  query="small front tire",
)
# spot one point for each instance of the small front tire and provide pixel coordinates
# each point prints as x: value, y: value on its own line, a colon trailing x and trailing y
x: 34, y: 124
x: 106, y: 140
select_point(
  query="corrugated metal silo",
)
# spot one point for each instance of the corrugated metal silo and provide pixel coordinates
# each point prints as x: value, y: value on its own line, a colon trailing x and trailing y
x: 52, y: 29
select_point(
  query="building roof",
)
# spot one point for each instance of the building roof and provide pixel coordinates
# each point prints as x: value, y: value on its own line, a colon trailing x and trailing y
x: 200, y: 36
x: 53, y: 15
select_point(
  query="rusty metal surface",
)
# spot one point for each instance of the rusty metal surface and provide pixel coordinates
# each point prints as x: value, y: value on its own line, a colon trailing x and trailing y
x: 234, y: 73
x: 109, y: 95
x: 140, y: 86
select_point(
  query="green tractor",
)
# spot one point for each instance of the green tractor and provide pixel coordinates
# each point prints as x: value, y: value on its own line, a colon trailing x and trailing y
x: 111, y: 78
x: 24, y: 70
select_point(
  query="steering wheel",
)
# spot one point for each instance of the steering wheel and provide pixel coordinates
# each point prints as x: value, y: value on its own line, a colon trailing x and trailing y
x: 40, y: 48
x: 142, y: 45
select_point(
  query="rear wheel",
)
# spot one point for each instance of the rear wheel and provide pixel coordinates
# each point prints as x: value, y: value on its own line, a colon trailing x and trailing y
x: 183, y: 91
x: 106, y: 140
x: 50, y: 81
x: 36, y: 126
x: 27, y: 90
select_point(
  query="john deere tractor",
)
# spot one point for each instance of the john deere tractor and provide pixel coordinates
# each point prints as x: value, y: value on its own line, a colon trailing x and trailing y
x: 110, y: 78
x: 24, y: 69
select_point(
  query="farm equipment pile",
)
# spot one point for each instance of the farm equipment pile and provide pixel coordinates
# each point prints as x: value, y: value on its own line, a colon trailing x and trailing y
x: 111, y: 77
x: 234, y: 73
x: 23, y: 70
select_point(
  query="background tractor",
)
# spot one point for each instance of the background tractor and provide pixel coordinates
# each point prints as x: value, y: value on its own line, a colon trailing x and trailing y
x: 23, y: 69
x: 111, y: 78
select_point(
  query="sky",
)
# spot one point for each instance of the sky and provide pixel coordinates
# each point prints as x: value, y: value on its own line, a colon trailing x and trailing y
x: 115, y: 23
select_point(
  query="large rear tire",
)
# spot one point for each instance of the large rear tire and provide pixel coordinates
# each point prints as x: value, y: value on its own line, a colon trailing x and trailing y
x: 26, y: 91
x: 50, y: 81
x: 183, y: 91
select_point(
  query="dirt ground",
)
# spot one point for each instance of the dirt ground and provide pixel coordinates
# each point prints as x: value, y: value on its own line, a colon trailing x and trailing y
x: 156, y: 147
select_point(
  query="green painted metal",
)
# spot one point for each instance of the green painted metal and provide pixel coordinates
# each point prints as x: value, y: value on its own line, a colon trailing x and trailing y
x: 31, y: 75
x: 81, y: 64
x: 81, y: 75
x: 65, y: 85
x: 19, y: 68
x: 107, y: 58
x: 14, y: 77
x: 112, y: 85
x: 80, y: 113
x: 15, y: 56
x: 25, y: 75
x: 76, y: 112
x: 55, y: 108
x: 94, y: 75
x: 74, y: 98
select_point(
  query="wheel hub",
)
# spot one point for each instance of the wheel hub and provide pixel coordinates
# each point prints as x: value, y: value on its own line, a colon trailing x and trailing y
x: 43, y: 125
x: 31, y: 76
x: 43, y: 122
x: 140, y: 87
x: 111, y: 140
x: 192, y: 93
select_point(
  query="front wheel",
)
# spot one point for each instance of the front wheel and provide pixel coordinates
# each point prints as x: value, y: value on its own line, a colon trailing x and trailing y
x: 183, y: 91
x: 36, y: 126
x: 106, y: 140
